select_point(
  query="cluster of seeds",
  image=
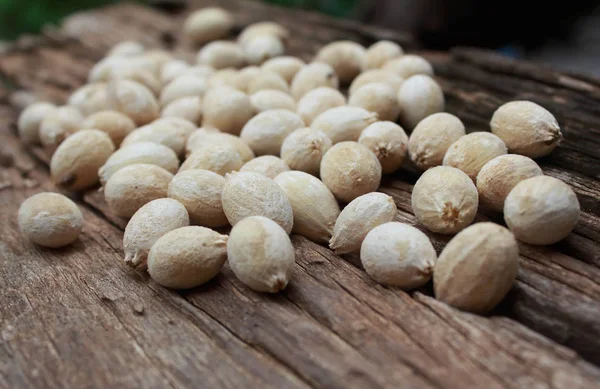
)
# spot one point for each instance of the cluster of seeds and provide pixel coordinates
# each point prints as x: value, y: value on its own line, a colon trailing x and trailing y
x: 281, y: 150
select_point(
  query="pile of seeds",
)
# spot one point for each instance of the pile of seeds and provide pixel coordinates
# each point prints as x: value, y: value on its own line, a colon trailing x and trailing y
x: 266, y: 143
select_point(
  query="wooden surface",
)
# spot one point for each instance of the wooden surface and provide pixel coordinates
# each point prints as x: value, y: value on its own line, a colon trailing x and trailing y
x: 79, y: 318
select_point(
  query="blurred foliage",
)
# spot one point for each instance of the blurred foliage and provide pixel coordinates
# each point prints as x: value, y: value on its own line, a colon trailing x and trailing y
x: 340, y: 8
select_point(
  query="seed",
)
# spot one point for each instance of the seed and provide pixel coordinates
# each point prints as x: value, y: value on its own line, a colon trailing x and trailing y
x: 346, y: 178
x: 378, y: 98
x: 242, y: 79
x: 173, y: 69
x: 286, y: 67
x: 155, y: 59
x: 200, y: 192
x: 126, y: 49
x: 30, y: 120
x: 497, y: 178
x: 358, y: 218
x: 206, y: 136
x: 313, y: 76
x: 303, y: 150
x: 377, y: 75
x: 189, y: 108
x: 135, y: 185
x: 265, y: 132
x: 252, y: 194
x: 161, y: 133
x: 224, y: 77
x: 74, y: 164
x: 115, y: 124
x: 344, y: 123
x: 183, y: 86
x: 314, y: 206
x: 145, y: 77
x: 267, y: 165
x: 541, y: 210
x: 148, y: 224
x: 418, y: 97
x: 444, y: 200
x: 432, y: 137
x: 260, y: 48
x: 227, y: 109
x: 381, y: 52
x: 317, y: 101
x: 90, y: 98
x: 409, y: 65
x: 397, y: 254
x: 526, y: 128
x: 221, y: 159
x: 267, y: 80
x: 50, y: 219
x: 200, y: 71
x: 183, y: 124
x: 388, y: 142
x: 208, y: 24
x: 221, y: 55
x: 269, y: 99
x: 142, y: 152
x: 261, y: 254
x: 477, y: 268
x: 58, y: 125
x: 133, y: 99
x: 263, y: 28
x: 347, y: 58
x: 470, y: 152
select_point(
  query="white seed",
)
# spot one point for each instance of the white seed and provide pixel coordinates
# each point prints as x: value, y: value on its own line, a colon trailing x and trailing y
x: 444, y: 200
x: 344, y: 123
x: 133, y: 99
x: 303, y: 150
x: 206, y: 136
x: 221, y: 159
x: 50, y: 219
x: 347, y: 58
x: 183, y: 86
x: 225, y: 77
x: 189, y: 108
x: 265, y: 132
x: 477, y: 268
x: 470, y: 152
x: 349, y: 170
x: 227, y: 109
x: 380, y: 52
x: 497, y: 178
x: 317, y: 101
x: 286, y: 67
x: 314, y: 206
x: 74, y: 164
x: 267, y: 80
x: 388, y: 142
x: 115, y: 124
x: 397, y: 254
x: 377, y: 75
x: 252, y: 194
x: 145, y: 77
x: 200, y: 192
x: 200, y: 71
x: 155, y: 59
x: 267, y: 165
x: 90, y: 98
x: 171, y: 136
x: 187, y: 257
x: 183, y: 124
x: 208, y: 24
x: 260, y: 48
x: 541, y: 210
x: 30, y: 120
x: 173, y: 69
x: 126, y: 49
x: 148, y: 224
x: 135, y: 185
x: 142, y: 152
x: 526, y: 128
x: 261, y: 254
x: 221, y: 55
x: 242, y: 79
x: 58, y: 125
x: 432, y: 137
x: 263, y: 28
x: 418, y: 97
x: 377, y: 97
x: 313, y: 76
x: 409, y: 65
x: 358, y: 218
x: 268, y: 99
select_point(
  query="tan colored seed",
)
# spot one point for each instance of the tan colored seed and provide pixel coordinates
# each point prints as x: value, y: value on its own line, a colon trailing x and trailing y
x: 347, y: 58
x: 286, y: 67
x: 388, y: 142
x: 265, y: 132
x: 126, y: 49
x: 267, y: 80
x: 184, y: 86
x: 470, y: 152
x: 344, y: 123
x: 269, y: 99
x: 226, y: 77
x: 173, y: 69
x: 58, y: 125
x: 260, y: 48
x: 208, y: 24
x: 115, y: 124
x: 267, y: 165
x: 418, y: 97
x: 377, y: 97
x: 227, y: 109
x: 313, y: 76
x: 317, y: 101
x: 221, y: 159
x: 409, y: 65
x: 30, y: 120
x: 263, y: 28
x: 381, y: 52
x: 377, y: 75
x: 221, y: 55
x: 242, y: 78
x: 208, y: 136
x: 90, y: 98
x: 171, y: 136
x: 432, y: 137
x: 189, y: 108
x: 303, y: 150
x: 133, y: 99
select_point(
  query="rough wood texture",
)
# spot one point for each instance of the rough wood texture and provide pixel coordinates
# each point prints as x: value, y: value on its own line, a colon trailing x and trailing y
x: 78, y: 317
